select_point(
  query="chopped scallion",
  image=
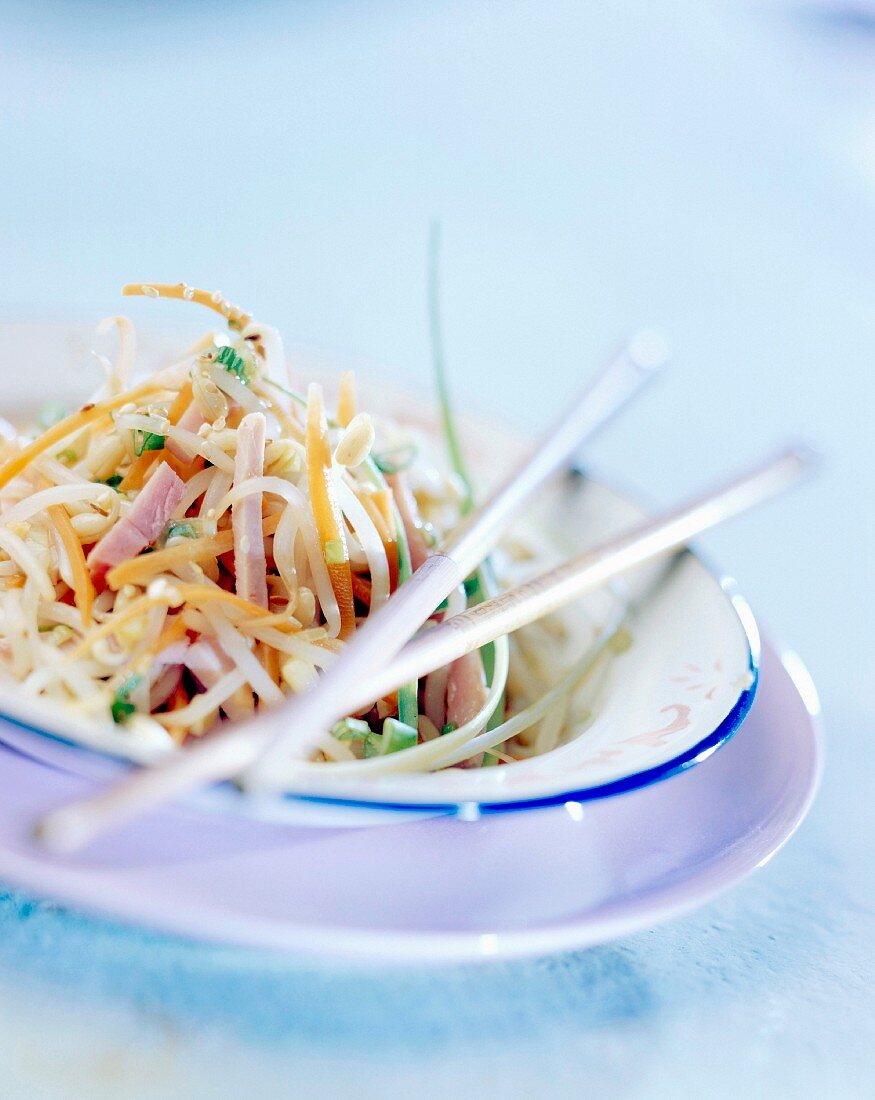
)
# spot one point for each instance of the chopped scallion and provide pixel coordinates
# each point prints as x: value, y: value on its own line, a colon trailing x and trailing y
x: 351, y: 729
x: 147, y: 441
x: 355, y: 729
x: 397, y: 736
x: 122, y: 708
x: 396, y: 459
x: 235, y: 364
x: 183, y: 530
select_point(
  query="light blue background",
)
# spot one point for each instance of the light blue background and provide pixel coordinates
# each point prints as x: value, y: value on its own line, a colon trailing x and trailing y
x: 707, y: 167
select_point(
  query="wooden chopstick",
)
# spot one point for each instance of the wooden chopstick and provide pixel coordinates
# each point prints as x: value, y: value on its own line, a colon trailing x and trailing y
x: 648, y: 540
x: 75, y: 825
x: 382, y: 636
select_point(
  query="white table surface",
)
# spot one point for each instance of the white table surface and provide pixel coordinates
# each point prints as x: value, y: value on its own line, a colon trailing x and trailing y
x: 707, y: 167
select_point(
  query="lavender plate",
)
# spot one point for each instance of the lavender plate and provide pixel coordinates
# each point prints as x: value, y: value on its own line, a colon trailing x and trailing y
x: 443, y: 889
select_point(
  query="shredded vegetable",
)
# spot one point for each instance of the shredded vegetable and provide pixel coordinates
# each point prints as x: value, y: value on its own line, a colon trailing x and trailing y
x: 188, y: 549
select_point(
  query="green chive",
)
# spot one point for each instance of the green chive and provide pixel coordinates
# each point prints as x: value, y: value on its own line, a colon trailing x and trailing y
x: 397, y: 736
x: 122, y: 708
x: 182, y: 531
x: 396, y: 459
x: 147, y: 441
x: 234, y: 363
x: 351, y: 729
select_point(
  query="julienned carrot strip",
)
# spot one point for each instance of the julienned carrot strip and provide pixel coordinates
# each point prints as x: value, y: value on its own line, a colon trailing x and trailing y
x: 138, y: 469
x: 280, y: 620
x: 270, y: 658
x: 138, y: 570
x: 379, y: 506
x: 82, y: 586
x: 361, y: 589
x: 178, y: 699
x: 70, y: 424
x: 180, y: 403
x: 326, y: 512
x: 174, y: 595
x: 174, y: 631
x: 199, y: 594
x: 235, y: 316
x: 185, y: 470
x: 346, y: 400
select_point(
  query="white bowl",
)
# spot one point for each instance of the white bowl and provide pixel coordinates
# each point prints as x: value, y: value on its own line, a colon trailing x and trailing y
x: 681, y: 689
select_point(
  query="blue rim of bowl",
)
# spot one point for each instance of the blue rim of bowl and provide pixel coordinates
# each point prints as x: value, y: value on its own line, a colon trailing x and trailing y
x: 474, y: 808
x: 696, y: 754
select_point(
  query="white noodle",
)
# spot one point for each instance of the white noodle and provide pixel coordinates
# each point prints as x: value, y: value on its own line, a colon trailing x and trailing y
x: 231, y: 385
x: 198, y: 445
x: 204, y: 704
x: 237, y: 648
x: 58, y: 472
x: 141, y: 422
x: 218, y: 487
x: 61, y: 494
x: 30, y: 566
x: 118, y: 375
x: 276, y: 365
x: 292, y: 644
x: 195, y: 487
x: 61, y: 613
x: 284, y: 549
x: 371, y: 543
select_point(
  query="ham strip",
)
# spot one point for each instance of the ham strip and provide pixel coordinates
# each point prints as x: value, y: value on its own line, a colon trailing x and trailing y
x: 191, y: 420
x: 406, y: 501
x: 466, y: 694
x: 142, y: 525
x: 249, y: 558
x: 466, y: 689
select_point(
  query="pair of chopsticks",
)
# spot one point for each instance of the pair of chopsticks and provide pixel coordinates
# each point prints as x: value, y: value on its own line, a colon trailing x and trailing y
x: 380, y: 656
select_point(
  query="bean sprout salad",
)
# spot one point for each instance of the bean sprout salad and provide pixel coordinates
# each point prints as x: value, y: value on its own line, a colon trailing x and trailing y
x: 197, y: 543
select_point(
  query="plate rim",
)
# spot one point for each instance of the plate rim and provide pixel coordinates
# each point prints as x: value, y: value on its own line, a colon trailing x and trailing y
x: 357, y: 947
